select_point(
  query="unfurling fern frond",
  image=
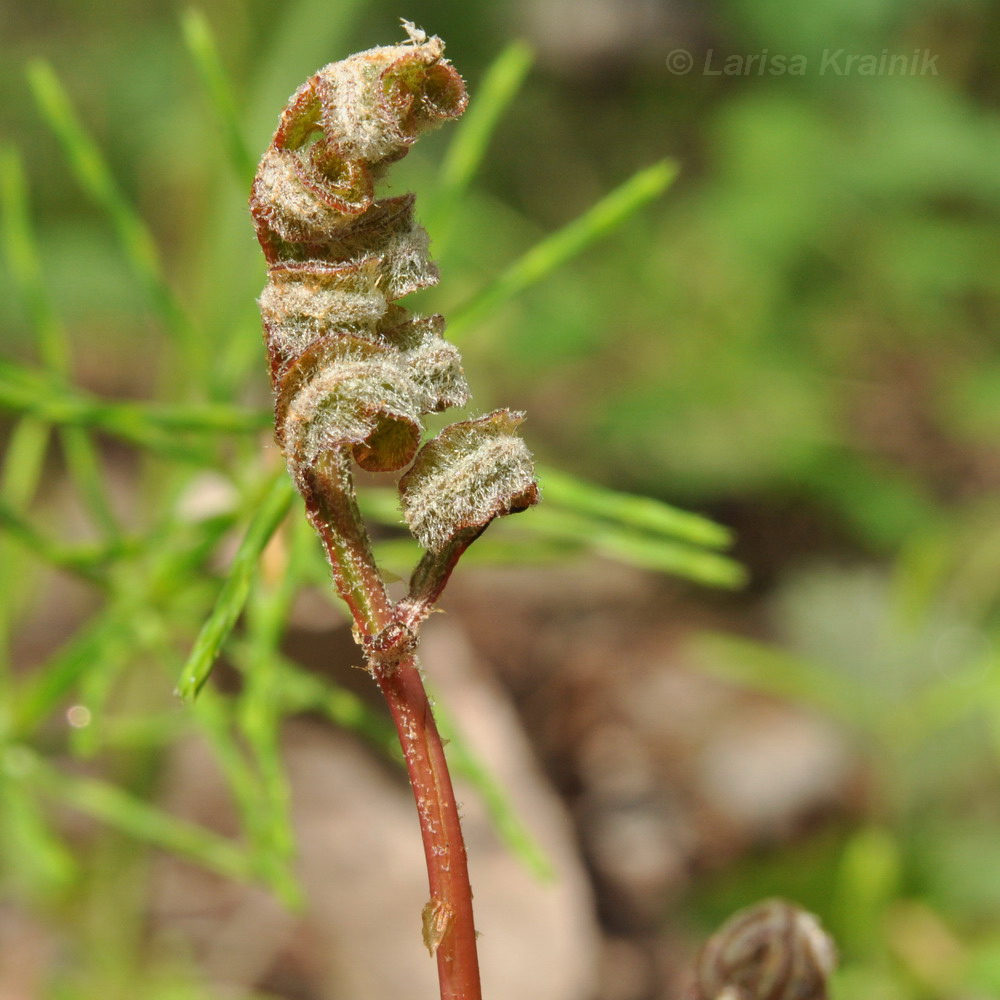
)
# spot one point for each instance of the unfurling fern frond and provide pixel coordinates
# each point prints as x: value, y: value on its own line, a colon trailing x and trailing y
x: 353, y: 374
x: 352, y: 370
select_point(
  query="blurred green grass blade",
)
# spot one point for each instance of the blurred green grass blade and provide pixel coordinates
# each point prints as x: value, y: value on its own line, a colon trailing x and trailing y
x: 773, y: 671
x: 635, y: 548
x: 301, y: 691
x: 23, y: 462
x: 500, y: 84
x: 34, y: 854
x: 706, y: 568
x: 866, y: 883
x: 86, y: 471
x: 53, y: 343
x: 148, y: 425
x: 95, y: 177
x: 82, y: 561
x: 214, y: 714
x: 130, y: 815
x: 201, y: 44
x: 305, y: 692
x: 96, y: 687
x: 941, y: 704
x: 103, y: 641
x: 22, y: 468
x: 554, y: 250
x: 58, y: 674
x: 259, y: 705
x: 271, y: 511
x: 637, y: 530
x: 512, y: 831
x: 175, y: 552
x: 21, y: 252
x: 310, y: 34
x: 640, y: 512
x: 141, y: 732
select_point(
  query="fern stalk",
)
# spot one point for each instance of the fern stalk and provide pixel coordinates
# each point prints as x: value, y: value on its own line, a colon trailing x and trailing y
x: 353, y: 373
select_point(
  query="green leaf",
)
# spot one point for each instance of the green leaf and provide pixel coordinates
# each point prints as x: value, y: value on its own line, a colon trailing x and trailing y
x: 644, y: 513
x: 500, y: 83
x: 83, y: 561
x: 504, y: 817
x: 633, y: 547
x: 21, y: 251
x: 95, y: 177
x: 271, y: 511
x: 555, y: 250
x: 117, y: 808
x: 152, y: 426
x: 776, y: 672
x: 34, y: 855
x: 148, y: 590
x: 201, y: 44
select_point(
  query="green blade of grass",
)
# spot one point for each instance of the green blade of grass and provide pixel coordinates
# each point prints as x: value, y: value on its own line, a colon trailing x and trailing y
x: 201, y: 44
x: 304, y: 692
x: 501, y: 82
x: 130, y: 815
x: 501, y: 812
x: 95, y: 177
x: 269, y: 514
x: 86, y: 472
x: 636, y: 549
x: 47, y: 399
x: 644, y: 513
x: 34, y: 854
x: 21, y: 251
x: 301, y: 691
x: 23, y: 461
x: 776, y: 672
x: 148, y: 425
x: 85, y: 561
x: 103, y: 641
x: 19, y: 478
x: 633, y: 529
x: 259, y: 706
x: 175, y: 552
x: 214, y: 715
x: 554, y: 250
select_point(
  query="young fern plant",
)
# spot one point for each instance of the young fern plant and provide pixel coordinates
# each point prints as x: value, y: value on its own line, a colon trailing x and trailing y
x: 353, y: 373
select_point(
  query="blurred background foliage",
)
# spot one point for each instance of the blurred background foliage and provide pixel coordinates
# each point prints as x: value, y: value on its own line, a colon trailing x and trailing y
x: 798, y: 340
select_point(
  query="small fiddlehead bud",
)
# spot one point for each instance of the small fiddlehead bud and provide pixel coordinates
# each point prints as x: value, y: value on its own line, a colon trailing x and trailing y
x: 770, y: 951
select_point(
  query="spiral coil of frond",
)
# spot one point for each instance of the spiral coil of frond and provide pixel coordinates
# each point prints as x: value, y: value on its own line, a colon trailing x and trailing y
x: 351, y: 369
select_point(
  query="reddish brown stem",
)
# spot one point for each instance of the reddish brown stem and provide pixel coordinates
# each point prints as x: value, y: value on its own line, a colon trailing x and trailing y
x: 440, y: 827
x: 449, y: 928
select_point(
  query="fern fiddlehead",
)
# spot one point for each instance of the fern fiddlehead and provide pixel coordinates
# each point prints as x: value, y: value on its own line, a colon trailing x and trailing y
x: 353, y: 373
x: 770, y: 951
